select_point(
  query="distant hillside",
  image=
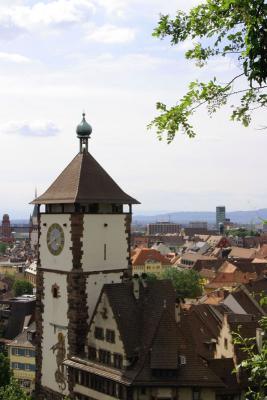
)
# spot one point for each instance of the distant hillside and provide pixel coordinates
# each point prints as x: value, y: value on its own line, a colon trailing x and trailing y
x: 184, y: 217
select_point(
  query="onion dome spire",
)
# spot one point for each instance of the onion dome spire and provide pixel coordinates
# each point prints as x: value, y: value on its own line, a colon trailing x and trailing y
x: 83, y: 131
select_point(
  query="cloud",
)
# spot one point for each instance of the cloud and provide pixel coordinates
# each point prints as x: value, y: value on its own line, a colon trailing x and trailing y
x: 14, y: 58
x: 111, y: 34
x: 17, y: 19
x: 33, y: 129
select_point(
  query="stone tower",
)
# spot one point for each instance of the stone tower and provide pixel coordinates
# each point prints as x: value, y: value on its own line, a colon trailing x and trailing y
x: 84, y: 242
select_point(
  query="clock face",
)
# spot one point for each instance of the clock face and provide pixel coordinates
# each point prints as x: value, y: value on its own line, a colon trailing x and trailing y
x: 55, y: 239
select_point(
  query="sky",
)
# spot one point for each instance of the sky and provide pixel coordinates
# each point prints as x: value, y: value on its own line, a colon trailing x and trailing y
x: 59, y: 58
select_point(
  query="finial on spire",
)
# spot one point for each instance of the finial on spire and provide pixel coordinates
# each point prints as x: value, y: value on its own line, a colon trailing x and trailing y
x: 83, y: 131
x: 35, y: 192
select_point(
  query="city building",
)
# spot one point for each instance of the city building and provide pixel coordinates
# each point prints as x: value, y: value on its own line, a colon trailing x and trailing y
x: 162, y: 228
x: 84, y: 228
x: 5, y: 229
x: 147, y: 356
x: 198, y: 225
x: 220, y: 216
x: 149, y: 261
x: 30, y: 273
x: 21, y: 352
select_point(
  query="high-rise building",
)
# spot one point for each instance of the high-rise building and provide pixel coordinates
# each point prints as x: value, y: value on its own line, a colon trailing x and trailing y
x: 84, y: 242
x: 220, y: 215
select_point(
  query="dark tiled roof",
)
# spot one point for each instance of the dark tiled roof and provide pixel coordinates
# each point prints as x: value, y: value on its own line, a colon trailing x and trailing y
x: 204, y: 322
x: 84, y: 181
x: 153, y: 339
x: 23, y: 339
x: 224, y: 367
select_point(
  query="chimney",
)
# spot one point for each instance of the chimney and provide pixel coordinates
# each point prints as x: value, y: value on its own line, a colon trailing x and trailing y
x: 136, y: 286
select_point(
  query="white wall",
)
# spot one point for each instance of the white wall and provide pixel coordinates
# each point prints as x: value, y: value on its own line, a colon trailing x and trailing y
x: 55, y: 313
x: 94, y: 286
x: 64, y: 260
x: 95, y: 235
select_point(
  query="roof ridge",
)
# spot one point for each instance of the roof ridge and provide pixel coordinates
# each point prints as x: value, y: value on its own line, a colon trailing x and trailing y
x: 79, y: 177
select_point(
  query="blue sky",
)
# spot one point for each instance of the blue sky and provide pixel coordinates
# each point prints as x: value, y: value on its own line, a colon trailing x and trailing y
x: 60, y: 57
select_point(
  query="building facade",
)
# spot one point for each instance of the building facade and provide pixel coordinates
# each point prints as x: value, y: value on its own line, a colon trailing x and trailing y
x: 220, y: 215
x: 162, y: 228
x: 21, y: 353
x: 84, y: 242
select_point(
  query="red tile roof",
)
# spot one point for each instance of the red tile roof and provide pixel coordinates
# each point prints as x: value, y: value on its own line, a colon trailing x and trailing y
x: 141, y: 256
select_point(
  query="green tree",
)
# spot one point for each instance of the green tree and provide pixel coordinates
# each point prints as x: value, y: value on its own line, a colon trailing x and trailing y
x: 3, y: 247
x: 13, y: 391
x: 5, y: 372
x: 22, y: 287
x: 186, y: 282
x: 255, y: 360
x: 218, y: 28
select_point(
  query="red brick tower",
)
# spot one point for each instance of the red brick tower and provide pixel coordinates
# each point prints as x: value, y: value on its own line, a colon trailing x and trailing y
x: 6, y: 229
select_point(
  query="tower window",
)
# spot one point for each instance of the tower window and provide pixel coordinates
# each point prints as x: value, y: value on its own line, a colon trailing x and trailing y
x: 55, y: 291
x: 105, y: 251
x: 94, y: 208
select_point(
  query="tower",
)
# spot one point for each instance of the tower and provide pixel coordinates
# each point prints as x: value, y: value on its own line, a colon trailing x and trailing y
x: 33, y: 223
x: 220, y: 216
x: 84, y: 242
x: 6, y: 229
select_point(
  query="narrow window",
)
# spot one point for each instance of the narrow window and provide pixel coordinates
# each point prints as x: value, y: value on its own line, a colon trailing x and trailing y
x: 105, y: 251
x: 99, y: 333
x: 110, y: 336
x: 226, y: 344
x: 91, y: 353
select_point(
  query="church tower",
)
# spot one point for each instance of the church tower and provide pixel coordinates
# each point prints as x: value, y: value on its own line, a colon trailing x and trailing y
x: 84, y: 242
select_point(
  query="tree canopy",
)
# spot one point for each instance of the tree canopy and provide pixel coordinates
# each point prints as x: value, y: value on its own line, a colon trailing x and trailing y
x: 21, y: 287
x: 236, y: 29
x: 186, y: 282
x: 255, y: 361
x: 13, y: 391
x: 4, y: 370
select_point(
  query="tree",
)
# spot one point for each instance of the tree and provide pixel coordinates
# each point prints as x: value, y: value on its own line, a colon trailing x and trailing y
x: 255, y: 361
x: 3, y: 247
x: 186, y: 282
x: 22, y: 287
x: 236, y: 29
x: 13, y: 392
x: 4, y: 370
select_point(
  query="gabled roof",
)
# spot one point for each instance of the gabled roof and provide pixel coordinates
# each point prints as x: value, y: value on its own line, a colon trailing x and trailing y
x: 141, y: 256
x: 84, y: 181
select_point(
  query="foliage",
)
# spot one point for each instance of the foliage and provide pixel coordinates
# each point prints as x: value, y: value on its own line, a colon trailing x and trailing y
x: 151, y: 277
x: 4, y: 370
x: 22, y: 287
x: 10, y: 279
x: 3, y: 247
x: 241, y: 232
x: 186, y: 282
x: 236, y: 29
x: 255, y: 362
x: 13, y: 392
